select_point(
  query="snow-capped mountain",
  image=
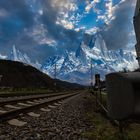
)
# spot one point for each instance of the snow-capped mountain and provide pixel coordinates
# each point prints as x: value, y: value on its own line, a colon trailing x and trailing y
x: 16, y: 55
x: 75, y: 66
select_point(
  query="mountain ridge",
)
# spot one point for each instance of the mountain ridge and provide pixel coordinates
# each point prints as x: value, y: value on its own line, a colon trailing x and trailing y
x: 75, y: 66
x: 20, y: 75
x: 103, y: 60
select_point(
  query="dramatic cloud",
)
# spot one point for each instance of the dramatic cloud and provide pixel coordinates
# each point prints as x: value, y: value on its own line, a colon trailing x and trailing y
x: 59, y: 31
x: 117, y: 32
x: 15, y: 16
x: 32, y: 26
x: 42, y: 28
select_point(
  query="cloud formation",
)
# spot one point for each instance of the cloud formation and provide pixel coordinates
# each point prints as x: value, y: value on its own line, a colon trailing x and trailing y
x: 117, y: 32
x: 92, y: 5
x: 15, y: 16
x: 32, y: 27
x: 42, y: 28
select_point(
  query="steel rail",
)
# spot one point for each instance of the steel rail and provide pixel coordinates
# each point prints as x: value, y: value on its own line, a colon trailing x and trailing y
x: 16, y: 112
x: 10, y: 101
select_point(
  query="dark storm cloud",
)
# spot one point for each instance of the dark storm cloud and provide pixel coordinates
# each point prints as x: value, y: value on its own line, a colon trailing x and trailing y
x: 32, y: 48
x: 16, y: 26
x: 19, y: 10
x: 19, y: 22
x: 117, y: 34
x: 18, y: 16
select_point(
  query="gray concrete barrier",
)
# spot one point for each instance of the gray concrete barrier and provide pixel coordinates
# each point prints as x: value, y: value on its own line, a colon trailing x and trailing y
x: 123, y: 94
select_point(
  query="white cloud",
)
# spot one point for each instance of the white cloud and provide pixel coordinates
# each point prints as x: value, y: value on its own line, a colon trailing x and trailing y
x: 79, y: 29
x: 64, y: 5
x: 65, y: 23
x: 92, y: 5
x: 40, y: 34
x: 48, y: 41
x: 3, y: 13
x: 100, y: 17
x: 110, y: 9
x: 92, y: 30
x: 65, y: 12
x: 40, y: 12
x: 132, y: 34
x: 134, y: 3
x: 72, y: 7
x: 109, y: 15
x: 75, y: 19
x: 3, y: 56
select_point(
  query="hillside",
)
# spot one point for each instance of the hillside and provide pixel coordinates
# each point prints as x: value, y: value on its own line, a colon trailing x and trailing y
x: 20, y: 75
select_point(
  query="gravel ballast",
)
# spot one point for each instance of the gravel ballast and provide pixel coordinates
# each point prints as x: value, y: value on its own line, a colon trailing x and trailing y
x: 67, y: 121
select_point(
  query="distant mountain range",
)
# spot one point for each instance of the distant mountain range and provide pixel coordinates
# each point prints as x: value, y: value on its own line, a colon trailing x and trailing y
x: 75, y: 66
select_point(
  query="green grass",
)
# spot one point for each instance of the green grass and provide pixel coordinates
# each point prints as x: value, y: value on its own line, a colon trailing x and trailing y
x: 23, y: 91
x: 104, y: 97
x: 104, y: 130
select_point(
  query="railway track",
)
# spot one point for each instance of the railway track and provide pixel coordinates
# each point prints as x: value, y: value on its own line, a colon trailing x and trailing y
x: 26, y: 98
x: 12, y: 108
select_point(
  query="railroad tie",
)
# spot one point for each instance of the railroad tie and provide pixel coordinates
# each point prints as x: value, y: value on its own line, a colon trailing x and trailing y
x: 23, y: 104
x: 45, y: 110
x: 57, y: 104
x: 16, y: 122
x: 60, y: 102
x: 51, y: 106
x: 12, y: 107
x: 32, y: 114
x: 38, y: 101
x: 29, y: 102
x: 3, y: 111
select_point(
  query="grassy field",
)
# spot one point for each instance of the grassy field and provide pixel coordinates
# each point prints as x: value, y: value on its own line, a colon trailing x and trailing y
x: 22, y: 91
x: 105, y: 130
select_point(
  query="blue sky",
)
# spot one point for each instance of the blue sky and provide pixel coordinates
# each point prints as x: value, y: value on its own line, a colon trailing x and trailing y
x: 45, y: 27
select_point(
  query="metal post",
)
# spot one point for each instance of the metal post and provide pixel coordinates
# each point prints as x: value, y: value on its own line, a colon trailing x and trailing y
x: 121, y: 127
x: 121, y: 130
x: 0, y: 81
x: 1, y: 77
x: 91, y: 74
x: 100, y: 93
x: 55, y: 71
x: 96, y: 102
x: 55, y: 68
